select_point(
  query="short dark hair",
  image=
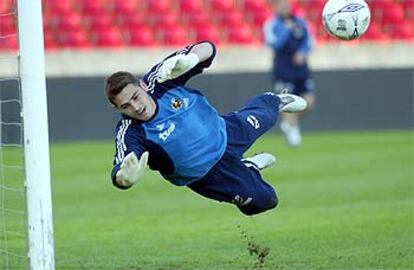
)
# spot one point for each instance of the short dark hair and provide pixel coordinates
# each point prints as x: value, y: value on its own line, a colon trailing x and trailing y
x: 117, y: 82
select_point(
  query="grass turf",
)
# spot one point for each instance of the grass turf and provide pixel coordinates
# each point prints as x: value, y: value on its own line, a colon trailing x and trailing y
x: 346, y: 202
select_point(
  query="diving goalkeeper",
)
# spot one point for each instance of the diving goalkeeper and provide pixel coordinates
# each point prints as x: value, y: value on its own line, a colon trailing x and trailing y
x: 177, y: 132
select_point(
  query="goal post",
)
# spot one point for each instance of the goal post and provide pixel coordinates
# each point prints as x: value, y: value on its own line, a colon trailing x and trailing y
x: 36, y: 137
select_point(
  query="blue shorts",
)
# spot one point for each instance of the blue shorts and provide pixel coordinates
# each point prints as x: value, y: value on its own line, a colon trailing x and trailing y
x: 230, y: 180
x: 297, y: 87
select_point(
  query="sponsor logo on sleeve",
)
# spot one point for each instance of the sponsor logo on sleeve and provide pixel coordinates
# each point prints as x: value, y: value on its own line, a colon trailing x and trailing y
x: 240, y: 201
x: 252, y: 120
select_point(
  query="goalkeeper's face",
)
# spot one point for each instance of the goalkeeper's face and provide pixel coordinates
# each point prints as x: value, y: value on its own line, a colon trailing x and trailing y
x: 135, y: 102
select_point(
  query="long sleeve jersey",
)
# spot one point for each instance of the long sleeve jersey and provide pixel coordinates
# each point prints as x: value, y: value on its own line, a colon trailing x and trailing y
x: 185, y: 138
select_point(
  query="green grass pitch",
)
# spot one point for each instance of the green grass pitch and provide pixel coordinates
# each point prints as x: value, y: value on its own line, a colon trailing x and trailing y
x: 346, y: 202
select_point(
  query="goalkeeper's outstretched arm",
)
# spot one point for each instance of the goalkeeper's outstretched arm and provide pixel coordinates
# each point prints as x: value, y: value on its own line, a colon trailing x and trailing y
x: 200, y: 55
x: 129, y: 155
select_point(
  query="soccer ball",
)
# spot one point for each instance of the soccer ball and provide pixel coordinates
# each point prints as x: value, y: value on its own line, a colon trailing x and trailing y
x: 346, y: 19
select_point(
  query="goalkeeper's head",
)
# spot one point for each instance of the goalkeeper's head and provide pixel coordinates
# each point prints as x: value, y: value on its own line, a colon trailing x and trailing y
x: 129, y: 95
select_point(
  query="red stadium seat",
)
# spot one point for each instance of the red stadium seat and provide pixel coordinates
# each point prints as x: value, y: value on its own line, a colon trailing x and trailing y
x: 126, y: 7
x: 175, y: 37
x: 131, y: 21
x: 255, y: 6
x: 257, y: 12
x: 61, y: 7
x: 50, y: 40
x: 379, y: 8
x: 408, y: 7
x: 159, y: 6
x: 47, y: 18
x: 313, y: 9
x: 301, y: 12
x: 379, y: 4
x: 259, y: 18
x: 110, y: 38
x: 11, y: 43
x: 99, y: 22
x: 404, y: 31
x: 166, y: 20
x: 69, y: 22
x: 394, y: 14
x: 7, y: 6
x: 374, y: 33
x: 241, y: 35
x: 76, y: 39
x: 191, y: 6
x: 309, y: 4
x: 209, y: 33
x: 222, y: 5
x: 7, y: 25
x: 142, y: 37
x: 197, y: 20
x: 231, y: 19
x: 94, y: 7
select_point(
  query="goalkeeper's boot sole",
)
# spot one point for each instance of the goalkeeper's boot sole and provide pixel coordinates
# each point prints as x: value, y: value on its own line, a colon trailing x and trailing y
x: 291, y: 103
x: 260, y: 161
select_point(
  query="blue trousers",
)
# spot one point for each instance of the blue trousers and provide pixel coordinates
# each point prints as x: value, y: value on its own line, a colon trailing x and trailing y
x: 230, y: 180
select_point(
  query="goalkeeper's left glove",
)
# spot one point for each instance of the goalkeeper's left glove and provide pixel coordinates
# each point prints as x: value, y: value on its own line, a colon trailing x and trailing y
x: 176, y: 66
x: 131, y: 169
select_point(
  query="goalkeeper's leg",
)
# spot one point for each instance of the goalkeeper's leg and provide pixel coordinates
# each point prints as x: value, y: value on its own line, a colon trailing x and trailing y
x: 233, y: 181
x: 258, y: 115
x: 246, y: 125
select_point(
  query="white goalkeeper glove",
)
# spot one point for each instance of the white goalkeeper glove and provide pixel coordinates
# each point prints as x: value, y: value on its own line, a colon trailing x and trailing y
x: 176, y: 66
x: 131, y: 169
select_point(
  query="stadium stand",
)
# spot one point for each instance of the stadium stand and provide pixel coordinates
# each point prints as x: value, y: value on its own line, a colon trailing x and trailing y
x: 146, y: 23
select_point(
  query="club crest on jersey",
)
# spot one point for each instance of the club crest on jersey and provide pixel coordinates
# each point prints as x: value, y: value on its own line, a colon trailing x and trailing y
x: 176, y: 103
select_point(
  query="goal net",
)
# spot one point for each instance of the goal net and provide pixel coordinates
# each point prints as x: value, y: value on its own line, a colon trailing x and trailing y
x: 13, y: 239
x: 26, y: 231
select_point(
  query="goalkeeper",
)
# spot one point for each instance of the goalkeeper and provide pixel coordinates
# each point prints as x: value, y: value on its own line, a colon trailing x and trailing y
x: 177, y: 132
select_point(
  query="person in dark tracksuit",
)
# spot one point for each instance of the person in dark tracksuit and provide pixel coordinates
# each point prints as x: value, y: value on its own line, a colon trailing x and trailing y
x: 174, y: 129
x: 289, y: 38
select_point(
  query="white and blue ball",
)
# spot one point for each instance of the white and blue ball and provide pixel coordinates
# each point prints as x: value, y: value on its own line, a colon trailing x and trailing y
x: 346, y: 19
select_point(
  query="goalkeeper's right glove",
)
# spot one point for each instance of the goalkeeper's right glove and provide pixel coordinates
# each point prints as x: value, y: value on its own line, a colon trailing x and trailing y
x: 131, y: 169
x: 176, y: 66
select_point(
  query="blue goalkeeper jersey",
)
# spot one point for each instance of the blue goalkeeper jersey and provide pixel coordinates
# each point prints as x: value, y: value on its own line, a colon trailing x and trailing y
x: 185, y: 138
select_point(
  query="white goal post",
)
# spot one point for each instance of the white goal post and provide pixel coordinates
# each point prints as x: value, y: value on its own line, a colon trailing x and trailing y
x: 36, y: 137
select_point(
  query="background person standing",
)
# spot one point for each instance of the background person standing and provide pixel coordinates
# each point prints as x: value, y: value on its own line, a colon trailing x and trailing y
x: 288, y: 35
